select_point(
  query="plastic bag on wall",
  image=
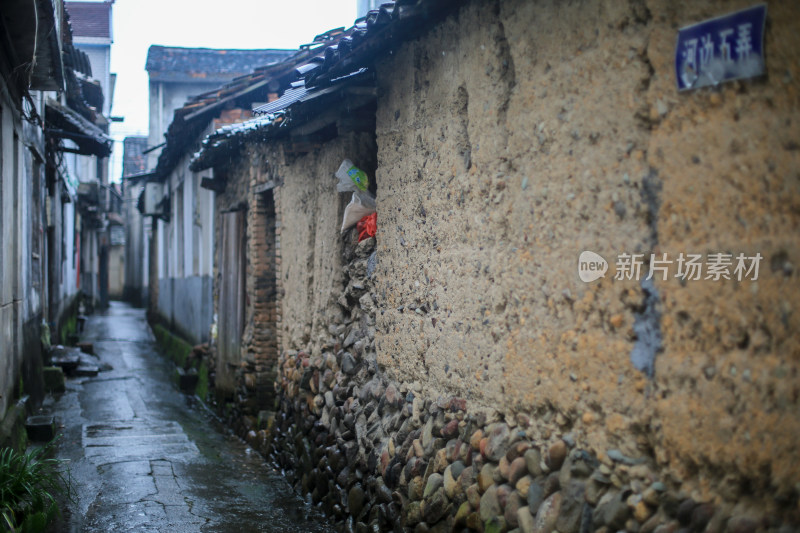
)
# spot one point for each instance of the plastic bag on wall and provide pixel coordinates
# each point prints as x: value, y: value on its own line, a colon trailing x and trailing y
x: 351, y: 178
x: 361, y: 205
x: 367, y: 227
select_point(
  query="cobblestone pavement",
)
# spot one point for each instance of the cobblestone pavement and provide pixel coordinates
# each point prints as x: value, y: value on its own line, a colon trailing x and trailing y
x: 144, y: 457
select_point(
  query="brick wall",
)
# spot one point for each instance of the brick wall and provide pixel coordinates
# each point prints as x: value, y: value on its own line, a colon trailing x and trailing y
x: 262, y: 348
x: 254, y: 373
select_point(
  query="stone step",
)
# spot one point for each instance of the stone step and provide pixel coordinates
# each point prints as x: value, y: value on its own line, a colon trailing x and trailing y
x: 68, y: 358
x: 86, y: 347
x: 85, y: 370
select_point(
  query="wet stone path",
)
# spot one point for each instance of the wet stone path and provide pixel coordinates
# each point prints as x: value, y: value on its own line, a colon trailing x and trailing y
x: 144, y: 457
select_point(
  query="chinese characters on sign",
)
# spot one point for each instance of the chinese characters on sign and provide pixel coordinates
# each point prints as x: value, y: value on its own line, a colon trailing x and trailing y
x: 686, y: 267
x: 690, y: 267
x: 726, y: 48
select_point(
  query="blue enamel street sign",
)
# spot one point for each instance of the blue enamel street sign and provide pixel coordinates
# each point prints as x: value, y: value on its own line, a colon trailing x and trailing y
x: 725, y: 48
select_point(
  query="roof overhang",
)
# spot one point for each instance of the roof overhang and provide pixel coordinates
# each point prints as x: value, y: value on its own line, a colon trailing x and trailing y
x: 31, y: 27
x: 303, y: 116
x: 63, y: 123
x: 91, y: 41
x: 135, y: 179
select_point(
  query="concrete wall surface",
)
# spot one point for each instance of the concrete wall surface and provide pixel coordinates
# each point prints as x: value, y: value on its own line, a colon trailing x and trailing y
x: 513, y: 137
x: 186, y: 304
x: 135, y: 253
x: 186, y: 255
x: 116, y: 272
x: 22, y: 276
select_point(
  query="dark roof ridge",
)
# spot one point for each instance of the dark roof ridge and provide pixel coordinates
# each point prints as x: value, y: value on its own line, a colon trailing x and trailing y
x: 202, y: 48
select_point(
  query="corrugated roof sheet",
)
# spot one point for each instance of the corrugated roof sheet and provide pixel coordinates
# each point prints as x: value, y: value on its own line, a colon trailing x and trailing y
x: 227, y: 140
x: 90, y: 19
x: 289, y: 97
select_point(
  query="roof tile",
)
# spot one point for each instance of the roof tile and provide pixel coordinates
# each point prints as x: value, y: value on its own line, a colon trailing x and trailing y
x: 169, y: 62
x: 90, y: 19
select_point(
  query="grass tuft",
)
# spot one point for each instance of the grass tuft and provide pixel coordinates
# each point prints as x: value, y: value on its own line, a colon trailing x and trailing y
x: 201, y: 390
x: 29, y: 482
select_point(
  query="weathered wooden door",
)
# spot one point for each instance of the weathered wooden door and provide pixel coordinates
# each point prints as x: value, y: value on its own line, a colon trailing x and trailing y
x: 231, y: 299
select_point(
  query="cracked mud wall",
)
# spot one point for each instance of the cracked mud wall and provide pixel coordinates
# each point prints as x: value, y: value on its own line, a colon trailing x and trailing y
x: 726, y: 398
x: 310, y: 211
x: 513, y: 137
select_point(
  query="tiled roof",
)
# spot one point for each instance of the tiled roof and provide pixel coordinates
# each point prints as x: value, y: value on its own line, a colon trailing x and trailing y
x: 276, y: 117
x: 90, y: 19
x: 316, y: 68
x: 337, y: 59
x: 371, y: 36
x: 63, y: 122
x: 190, y: 120
x: 134, y: 161
x: 206, y: 64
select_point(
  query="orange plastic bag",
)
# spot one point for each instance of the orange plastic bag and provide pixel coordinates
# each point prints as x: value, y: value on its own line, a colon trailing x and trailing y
x: 367, y: 227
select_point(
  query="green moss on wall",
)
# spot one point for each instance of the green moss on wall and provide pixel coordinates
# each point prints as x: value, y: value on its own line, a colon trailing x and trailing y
x: 171, y: 345
x: 68, y: 328
x: 201, y: 390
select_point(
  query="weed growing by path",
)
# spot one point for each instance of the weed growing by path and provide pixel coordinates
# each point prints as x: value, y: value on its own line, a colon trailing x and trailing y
x: 29, y: 482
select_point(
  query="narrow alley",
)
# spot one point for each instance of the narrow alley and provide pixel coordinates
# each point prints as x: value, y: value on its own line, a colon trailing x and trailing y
x: 419, y: 266
x: 144, y: 457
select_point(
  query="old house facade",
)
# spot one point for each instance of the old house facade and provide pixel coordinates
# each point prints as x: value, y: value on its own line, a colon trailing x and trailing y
x: 456, y: 370
x: 22, y: 193
x: 134, y: 170
x: 91, y: 25
x: 181, y: 251
x: 49, y: 113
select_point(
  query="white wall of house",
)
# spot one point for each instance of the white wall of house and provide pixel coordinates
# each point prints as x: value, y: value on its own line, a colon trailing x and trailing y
x: 38, y: 263
x: 8, y: 253
x: 90, y: 168
x: 69, y: 264
x: 186, y: 258
x: 136, y: 246
x: 62, y: 278
x: 165, y: 98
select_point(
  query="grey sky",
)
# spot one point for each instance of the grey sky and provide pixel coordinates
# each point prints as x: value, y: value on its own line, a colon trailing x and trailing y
x: 225, y: 24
